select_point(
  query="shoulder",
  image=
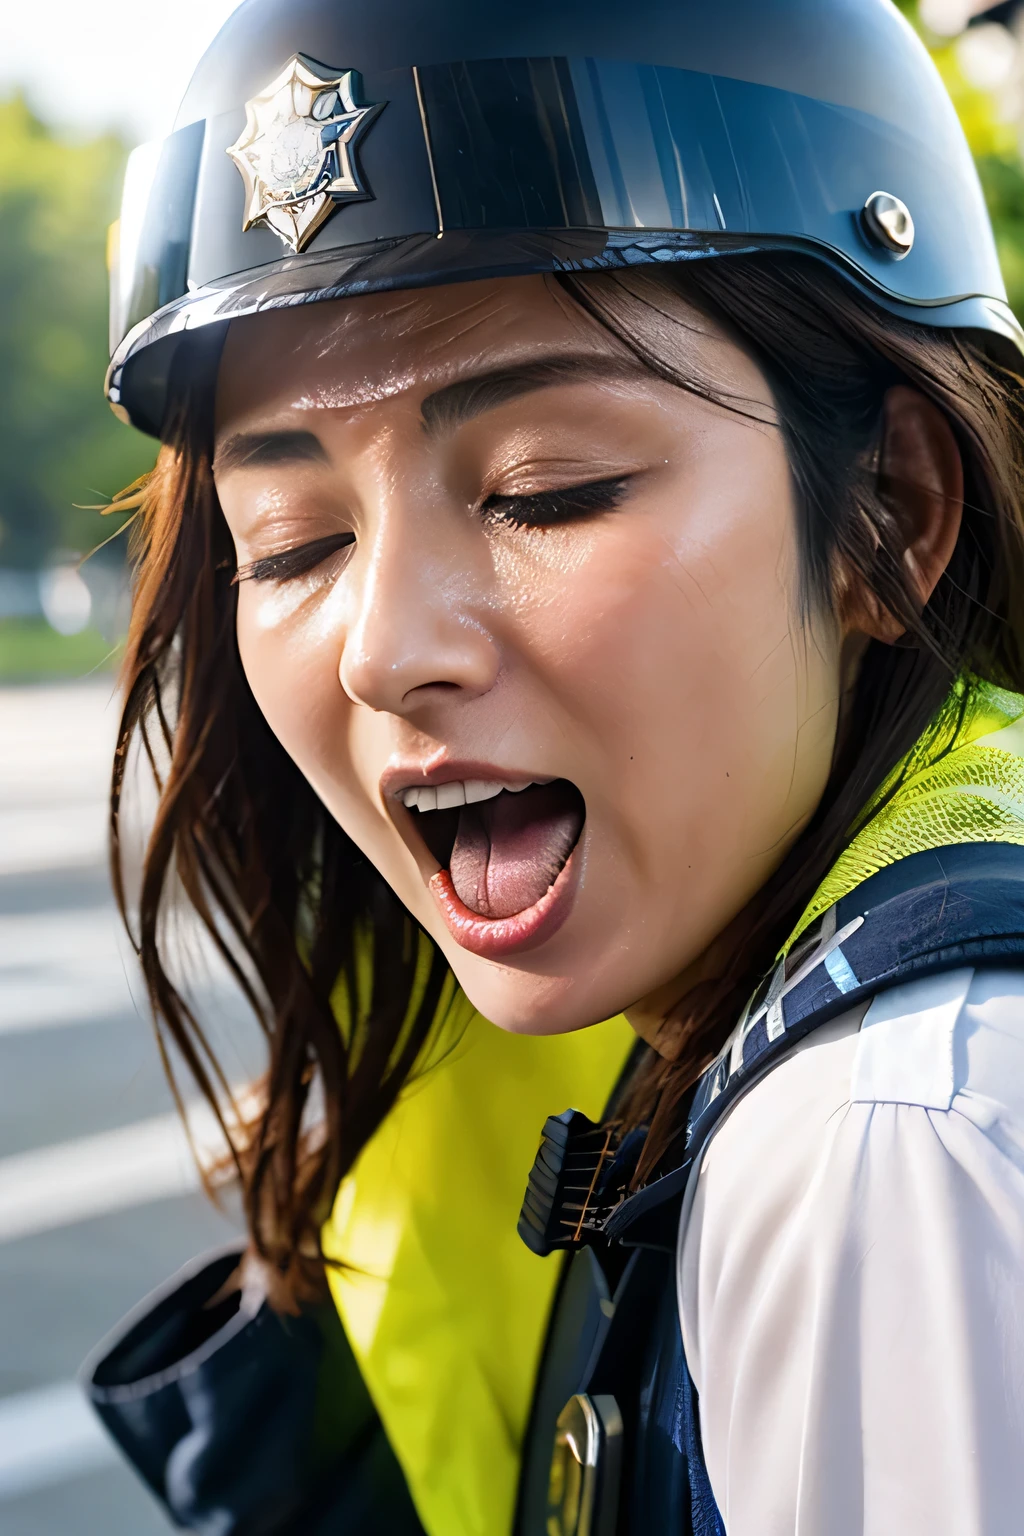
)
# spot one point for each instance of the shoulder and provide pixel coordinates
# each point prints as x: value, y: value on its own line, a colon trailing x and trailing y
x: 952, y: 1043
x: 912, y: 1104
x: 851, y: 1273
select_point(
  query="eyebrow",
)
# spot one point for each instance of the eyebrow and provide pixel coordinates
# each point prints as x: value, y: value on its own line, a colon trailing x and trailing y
x: 443, y: 411
x: 246, y: 450
x: 449, y: 408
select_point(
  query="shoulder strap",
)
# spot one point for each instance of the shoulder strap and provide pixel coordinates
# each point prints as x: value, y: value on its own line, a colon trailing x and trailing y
x: 935, y: 911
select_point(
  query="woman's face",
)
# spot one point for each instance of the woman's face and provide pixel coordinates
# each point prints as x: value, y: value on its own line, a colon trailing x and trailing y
x: 526, y: 618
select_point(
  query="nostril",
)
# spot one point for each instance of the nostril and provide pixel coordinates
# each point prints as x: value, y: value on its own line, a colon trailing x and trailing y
x: 445, y: 687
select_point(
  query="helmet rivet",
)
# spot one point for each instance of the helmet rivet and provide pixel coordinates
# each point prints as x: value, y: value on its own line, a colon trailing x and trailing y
x: 886, y: 222
x: 326, y: 105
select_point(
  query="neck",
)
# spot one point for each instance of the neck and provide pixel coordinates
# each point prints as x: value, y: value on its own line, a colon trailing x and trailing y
x: 659, y: 1016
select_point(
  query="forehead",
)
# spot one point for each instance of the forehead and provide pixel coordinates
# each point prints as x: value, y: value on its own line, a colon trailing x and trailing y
x: 353, y: 352
x: 357, y: 355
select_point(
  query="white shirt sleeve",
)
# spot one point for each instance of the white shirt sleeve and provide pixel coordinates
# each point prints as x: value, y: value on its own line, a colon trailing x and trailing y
x: 851, y: 1275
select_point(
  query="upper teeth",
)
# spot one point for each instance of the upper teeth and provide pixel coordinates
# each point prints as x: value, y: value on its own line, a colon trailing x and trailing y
x: 442, y: 797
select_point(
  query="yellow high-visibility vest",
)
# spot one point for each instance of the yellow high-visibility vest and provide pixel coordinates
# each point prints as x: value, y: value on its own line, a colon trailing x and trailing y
x: 444, y: 1306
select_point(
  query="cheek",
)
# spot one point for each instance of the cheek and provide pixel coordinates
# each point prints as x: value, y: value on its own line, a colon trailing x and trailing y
x: 286, y: 650
x: 671, y: 638
x: 290, y: 642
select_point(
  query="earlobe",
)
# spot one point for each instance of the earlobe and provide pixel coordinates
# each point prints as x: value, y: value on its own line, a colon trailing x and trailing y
x: 921, y: 477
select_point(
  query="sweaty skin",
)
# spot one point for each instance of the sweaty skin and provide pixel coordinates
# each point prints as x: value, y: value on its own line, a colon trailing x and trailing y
x: 649, y: 652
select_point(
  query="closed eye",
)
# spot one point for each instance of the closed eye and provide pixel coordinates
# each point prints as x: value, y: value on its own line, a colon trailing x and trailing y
x: 294, y: 562
x: 546, y: 509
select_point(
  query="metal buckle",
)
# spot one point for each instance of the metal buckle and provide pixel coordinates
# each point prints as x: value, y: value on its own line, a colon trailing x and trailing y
x: 586, y: 1465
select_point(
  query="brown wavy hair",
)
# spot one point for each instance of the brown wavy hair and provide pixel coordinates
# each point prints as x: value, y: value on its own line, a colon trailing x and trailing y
x: 281, y: 890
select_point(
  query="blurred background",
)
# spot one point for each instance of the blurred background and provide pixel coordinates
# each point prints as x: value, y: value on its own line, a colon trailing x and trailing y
x: 98, y: 1198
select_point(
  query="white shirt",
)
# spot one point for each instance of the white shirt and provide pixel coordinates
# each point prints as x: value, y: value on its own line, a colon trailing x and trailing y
x: 851, y: 1275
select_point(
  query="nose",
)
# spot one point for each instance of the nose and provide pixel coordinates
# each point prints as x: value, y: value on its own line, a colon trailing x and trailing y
x: 420, y: 627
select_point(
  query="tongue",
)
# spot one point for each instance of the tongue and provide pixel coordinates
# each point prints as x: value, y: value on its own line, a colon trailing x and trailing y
x: 509, y: 850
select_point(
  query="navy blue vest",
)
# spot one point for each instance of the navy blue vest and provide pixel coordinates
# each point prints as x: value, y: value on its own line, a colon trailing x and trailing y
x: 615, y: 1337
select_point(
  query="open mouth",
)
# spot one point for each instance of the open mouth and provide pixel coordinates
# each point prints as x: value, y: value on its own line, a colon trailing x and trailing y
x: 503, y: 854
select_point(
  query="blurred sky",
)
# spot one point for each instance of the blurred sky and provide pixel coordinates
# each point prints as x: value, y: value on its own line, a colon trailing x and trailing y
x: 89, y: 65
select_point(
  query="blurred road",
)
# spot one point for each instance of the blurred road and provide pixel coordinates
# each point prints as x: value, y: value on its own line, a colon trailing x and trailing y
x: 97, y: 1193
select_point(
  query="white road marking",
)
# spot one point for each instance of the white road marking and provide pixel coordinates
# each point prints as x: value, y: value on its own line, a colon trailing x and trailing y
x: 54, y: 775
x: 56, y: 753
x: 65, y: 968
x: 48, y: 1436
x: 58, y: 739
x: 52, y: 837
x: 73, y: 1181
x: 78, y: 967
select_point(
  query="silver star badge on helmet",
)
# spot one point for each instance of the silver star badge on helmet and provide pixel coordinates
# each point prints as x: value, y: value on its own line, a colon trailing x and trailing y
x: 297, y: 153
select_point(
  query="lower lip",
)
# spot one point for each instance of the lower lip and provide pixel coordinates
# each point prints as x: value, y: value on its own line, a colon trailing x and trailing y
x: 495, y: 938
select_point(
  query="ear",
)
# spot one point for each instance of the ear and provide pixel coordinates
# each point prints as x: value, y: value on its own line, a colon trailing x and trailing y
x: 923, y: 475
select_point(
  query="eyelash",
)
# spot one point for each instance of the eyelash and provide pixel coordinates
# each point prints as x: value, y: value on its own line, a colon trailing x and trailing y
x: 294, y: 562
x: 545, y: 509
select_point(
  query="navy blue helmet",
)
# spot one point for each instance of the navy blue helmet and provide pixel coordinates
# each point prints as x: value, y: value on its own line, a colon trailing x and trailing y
x: 326, y: 148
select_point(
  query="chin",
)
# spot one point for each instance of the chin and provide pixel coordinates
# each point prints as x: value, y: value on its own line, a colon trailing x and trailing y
x: 525, y: 1004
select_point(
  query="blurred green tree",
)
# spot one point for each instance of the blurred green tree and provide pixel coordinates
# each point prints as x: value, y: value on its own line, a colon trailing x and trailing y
x: 995, y: 143
x: 59, y: 443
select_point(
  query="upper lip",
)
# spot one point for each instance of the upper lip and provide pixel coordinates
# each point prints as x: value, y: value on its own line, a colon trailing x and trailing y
x: 399, y: 777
